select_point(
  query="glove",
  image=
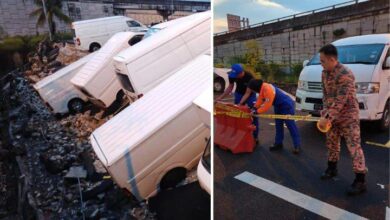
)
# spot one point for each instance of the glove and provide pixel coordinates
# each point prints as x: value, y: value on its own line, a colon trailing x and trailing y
x: 253, y: 111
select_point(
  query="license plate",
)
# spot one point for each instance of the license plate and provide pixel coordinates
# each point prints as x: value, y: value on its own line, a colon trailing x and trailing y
x: 318, y: 107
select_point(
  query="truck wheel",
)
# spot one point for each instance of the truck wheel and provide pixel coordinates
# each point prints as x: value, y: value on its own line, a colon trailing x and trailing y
x: 76, y: 105
x: 94, y: 47
x: 119, y: 95
x: 385, y: 121
x: 173, y: 177
x: 219, y: 85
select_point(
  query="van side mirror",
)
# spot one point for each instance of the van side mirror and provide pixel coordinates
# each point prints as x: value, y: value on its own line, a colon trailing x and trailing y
x: 305, y: 62
x: 387, y: 63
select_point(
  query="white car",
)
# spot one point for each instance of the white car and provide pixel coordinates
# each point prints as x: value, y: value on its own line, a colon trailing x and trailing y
x: 368, y: 57
x: 221, y: 79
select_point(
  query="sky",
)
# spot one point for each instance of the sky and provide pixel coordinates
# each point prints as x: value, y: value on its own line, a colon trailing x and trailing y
x: 263, y: 10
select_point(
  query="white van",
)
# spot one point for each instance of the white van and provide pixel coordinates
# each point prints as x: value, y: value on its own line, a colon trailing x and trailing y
x: 205, y: 106
x: 142, y: 67
x: 97, y: 79
x: 92, y: 34
x: 368, y: 57
x: 152, y: 143
x: 57, y: 91
x: 158, y: 27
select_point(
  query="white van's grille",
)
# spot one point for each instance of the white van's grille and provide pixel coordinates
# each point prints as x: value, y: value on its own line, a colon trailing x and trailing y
x: 314, y: 86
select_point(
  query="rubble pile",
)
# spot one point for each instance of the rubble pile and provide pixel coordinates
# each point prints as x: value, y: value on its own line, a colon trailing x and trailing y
x: 65, y: 179
x: 48, y: 58
x: 83, y: 124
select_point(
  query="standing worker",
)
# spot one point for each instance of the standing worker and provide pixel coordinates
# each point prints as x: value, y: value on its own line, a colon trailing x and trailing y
x: 283, y: 105
x: 341, y: 109
x: 241, y: 78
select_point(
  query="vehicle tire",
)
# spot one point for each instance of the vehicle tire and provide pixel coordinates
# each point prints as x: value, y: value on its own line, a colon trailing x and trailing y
x: 94, y: 47
x: 76, y: 105
x: 173, y: 177
x: 119, y: 95
x: 219, y: 85
x: 385, y: 121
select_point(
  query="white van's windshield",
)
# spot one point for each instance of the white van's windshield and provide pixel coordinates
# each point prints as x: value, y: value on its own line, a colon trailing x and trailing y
x: 355, y: 54
x: 151, y: 31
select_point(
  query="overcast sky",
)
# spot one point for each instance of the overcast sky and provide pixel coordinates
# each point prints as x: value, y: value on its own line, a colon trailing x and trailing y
x: 263, y: 10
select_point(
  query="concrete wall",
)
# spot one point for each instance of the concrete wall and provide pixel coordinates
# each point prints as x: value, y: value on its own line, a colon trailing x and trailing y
x: 148, y: 17
x: 15, y: 18
x: 15, y: 15
x: 292, y: 42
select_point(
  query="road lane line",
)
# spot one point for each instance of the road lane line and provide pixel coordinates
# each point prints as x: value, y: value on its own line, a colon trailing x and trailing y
x: 311, y: 204
x: 387, y: 213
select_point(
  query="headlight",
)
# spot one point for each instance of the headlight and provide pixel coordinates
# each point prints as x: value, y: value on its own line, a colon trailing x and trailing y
x: 302, y: 85
x: 367, y: 88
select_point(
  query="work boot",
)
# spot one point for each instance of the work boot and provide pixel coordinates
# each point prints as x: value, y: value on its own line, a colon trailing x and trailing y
x: 331, y: 171
x: 276, y: 147
x: 358, y: 186
x: 296, y: 150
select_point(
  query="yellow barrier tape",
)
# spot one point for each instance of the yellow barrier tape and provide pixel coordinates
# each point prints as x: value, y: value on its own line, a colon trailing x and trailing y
x: 236, y: 113
x: 387, y: 145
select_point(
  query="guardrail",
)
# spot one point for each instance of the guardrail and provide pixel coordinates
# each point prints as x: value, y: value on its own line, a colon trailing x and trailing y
x: 297, y: 15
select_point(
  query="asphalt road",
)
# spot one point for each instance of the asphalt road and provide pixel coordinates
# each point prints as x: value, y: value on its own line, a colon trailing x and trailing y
x: 234, y: 199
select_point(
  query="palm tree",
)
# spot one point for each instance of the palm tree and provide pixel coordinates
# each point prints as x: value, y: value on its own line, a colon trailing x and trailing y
x: 53, y: 9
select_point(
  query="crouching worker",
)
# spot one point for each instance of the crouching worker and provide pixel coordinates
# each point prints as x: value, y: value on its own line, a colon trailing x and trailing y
x: 283, y: 105
x: 241, y: 78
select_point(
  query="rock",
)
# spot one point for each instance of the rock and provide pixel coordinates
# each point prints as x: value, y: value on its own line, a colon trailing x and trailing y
x: 76, y: 172
x: 97, y: 189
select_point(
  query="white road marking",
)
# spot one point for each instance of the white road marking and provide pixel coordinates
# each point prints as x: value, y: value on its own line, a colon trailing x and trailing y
x: 311, y: 204
x: 381, y: 186
x: 387, y: 213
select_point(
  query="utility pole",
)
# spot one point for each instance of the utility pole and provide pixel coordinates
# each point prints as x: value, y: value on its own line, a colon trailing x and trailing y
x: 47, y: 20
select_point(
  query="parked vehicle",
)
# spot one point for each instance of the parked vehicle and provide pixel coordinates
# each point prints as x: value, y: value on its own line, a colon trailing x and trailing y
x: 368, y: 57
x: 157, y: 57
x: 152, y: 143
x: 221, y: 79
x: 94, y: 33
x: 57, y: 91
x: 97, y: 79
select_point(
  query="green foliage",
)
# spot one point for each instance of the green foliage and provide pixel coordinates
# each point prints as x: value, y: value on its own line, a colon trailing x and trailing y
x: 12, y: 44
x: 339, y: 32
x: 62, y: 36
x: 53, y: 9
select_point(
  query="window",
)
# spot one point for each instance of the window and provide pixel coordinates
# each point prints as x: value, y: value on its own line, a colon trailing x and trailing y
x: 133, y: 24
x: 74, y: 12
x: 105, y: 9
x: 355, y: 54
x: 135, y: 39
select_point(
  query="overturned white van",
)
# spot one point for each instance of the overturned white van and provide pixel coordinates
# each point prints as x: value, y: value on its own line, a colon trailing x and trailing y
x: 151, y: 143
x: 97, y: 79
x: 57, y: 91
x: 154, y: 59
x: 204, y: 104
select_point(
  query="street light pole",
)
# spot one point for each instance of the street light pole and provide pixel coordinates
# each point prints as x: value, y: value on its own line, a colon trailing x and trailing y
x: 47, y: 20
